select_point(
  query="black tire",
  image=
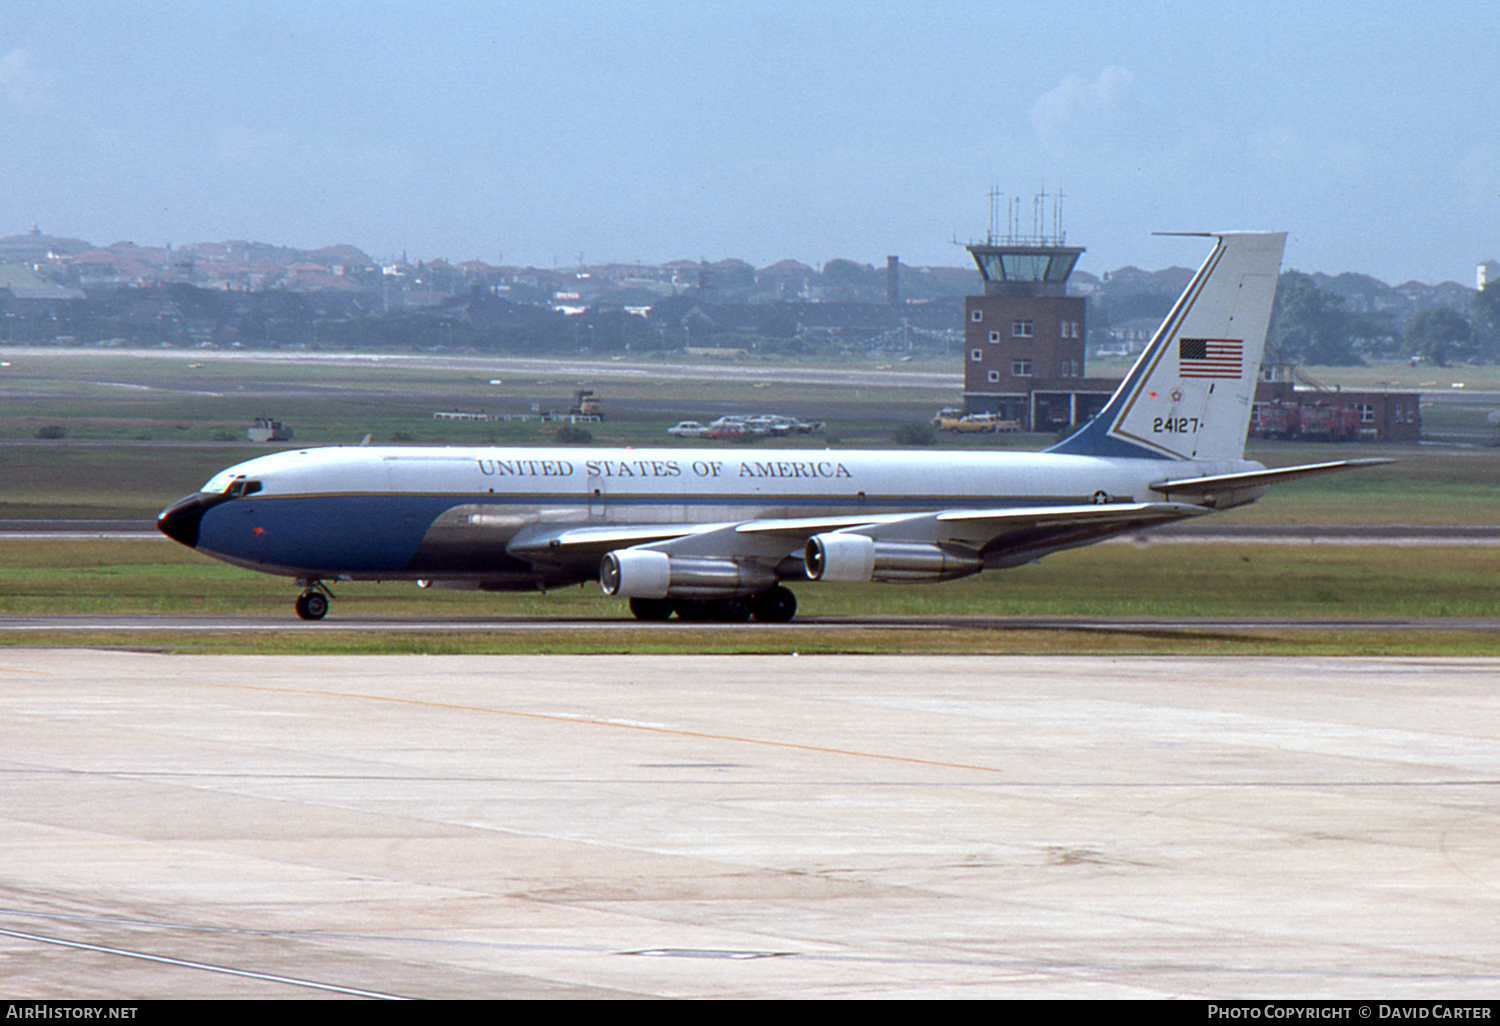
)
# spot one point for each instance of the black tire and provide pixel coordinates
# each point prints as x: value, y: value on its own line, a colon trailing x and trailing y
x: 312, y: 605
x: 654, y: 610
x: 694, y: 610
x: 733, y: 610
x: 776, y: 605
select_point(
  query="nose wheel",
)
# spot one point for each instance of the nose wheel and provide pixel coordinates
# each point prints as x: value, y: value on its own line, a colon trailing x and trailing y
x: 312, y: 604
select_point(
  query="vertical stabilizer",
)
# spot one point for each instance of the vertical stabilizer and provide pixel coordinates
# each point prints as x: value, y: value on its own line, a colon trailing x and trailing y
x: 1188, y: 397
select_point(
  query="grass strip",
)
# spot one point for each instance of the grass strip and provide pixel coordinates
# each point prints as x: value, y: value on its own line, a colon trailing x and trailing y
x: 841, y: 640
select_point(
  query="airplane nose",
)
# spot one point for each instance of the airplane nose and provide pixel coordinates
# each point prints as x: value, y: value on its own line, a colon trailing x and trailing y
x: 180, y: 520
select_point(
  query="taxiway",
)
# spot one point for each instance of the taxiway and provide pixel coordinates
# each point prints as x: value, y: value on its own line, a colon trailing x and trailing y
x: 751, y: 826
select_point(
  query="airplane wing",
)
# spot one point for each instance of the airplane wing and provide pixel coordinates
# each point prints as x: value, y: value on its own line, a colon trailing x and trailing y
x: 726, y: 539
x: 1010, y: 537
x: 1000, y: 537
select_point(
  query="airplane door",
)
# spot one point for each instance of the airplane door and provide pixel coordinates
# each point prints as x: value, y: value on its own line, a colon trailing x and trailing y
x: 595, y: 485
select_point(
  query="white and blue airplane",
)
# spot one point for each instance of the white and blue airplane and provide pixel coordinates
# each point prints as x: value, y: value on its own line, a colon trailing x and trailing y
x: 715, y: 534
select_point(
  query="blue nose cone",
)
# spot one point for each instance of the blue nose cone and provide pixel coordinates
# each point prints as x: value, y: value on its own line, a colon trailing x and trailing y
x: 180, y: 520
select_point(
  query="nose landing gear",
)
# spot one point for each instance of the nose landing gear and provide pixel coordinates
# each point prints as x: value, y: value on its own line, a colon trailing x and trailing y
x: 312, y: 604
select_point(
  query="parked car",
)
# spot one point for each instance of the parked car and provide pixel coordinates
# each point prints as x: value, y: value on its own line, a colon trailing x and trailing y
x: 688, y: 429
x: 947, y: 418
x: 738, y: 425
x: 973, y: 423
x: 976, y: 423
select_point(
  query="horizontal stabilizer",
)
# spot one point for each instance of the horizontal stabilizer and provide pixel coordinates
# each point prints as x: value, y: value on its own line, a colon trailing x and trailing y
x: 1260, y: 478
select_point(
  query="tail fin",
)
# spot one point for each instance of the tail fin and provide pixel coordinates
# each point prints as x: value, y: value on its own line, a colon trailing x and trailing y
x: 1188, y: 396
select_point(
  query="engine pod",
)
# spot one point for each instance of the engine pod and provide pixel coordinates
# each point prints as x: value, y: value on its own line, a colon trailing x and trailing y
x: 647, y: 573
x: 636, y: 573
x: 840, y: 557
x: 856, y: 558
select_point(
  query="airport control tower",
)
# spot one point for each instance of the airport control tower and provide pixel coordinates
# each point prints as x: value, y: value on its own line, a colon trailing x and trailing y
x: 1025, y: 337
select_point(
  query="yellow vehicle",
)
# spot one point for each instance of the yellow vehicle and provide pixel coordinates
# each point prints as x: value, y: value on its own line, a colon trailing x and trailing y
x: 586, y: 405
x: 947, y: 419
x: 972, y: 423
x: 977, y: 423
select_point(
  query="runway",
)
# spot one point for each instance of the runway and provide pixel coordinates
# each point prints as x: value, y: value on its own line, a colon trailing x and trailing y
x: 751, y: 826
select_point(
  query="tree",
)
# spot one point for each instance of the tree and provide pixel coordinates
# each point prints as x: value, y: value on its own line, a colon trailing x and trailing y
x: 1441, y: 335
x: 733, y: 273
x: 1310, y: 326
x: 848, y: 281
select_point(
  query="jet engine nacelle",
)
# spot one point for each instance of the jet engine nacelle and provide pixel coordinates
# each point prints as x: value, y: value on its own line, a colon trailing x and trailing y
x: 647, y: 573
x: 858, y: 557
x: 840, y: 557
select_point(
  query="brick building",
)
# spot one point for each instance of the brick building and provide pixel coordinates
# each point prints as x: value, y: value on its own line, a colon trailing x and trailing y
x: 1025, y: 337
x: 1283, y: 411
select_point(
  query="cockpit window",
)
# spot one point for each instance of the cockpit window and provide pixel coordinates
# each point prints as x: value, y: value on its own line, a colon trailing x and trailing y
x: 239, y: 487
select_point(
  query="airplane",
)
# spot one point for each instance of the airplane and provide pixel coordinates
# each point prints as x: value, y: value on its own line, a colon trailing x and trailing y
x: 718, y: 534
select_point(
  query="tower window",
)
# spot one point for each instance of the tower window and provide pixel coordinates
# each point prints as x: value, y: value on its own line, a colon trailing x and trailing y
x: 1021, y: 329
x: 994, y: 336
x: 1020, y: 368
x: 976, y: 355
x: 976, y: 316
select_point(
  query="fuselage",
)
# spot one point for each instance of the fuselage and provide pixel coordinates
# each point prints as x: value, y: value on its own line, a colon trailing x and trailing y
x: 474, y: 513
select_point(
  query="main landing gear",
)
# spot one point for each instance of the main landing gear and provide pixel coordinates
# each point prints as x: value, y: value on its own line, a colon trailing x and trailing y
x: 312, y: 604
x: 774, y: 605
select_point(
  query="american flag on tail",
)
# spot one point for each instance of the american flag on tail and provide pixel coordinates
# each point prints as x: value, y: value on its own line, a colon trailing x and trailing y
x: 1210, y: 358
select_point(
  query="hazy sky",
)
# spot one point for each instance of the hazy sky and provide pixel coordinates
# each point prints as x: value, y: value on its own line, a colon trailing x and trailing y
x: 760, y: 129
